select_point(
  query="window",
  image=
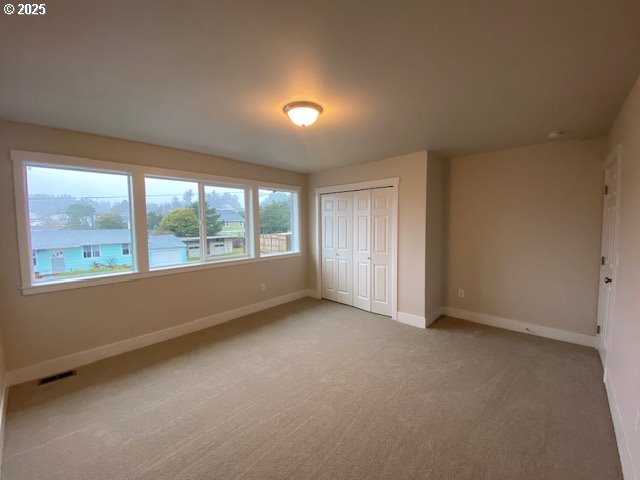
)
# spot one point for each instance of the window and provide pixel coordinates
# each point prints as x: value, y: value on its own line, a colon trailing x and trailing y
x: 279, y: 225
x: 177, y: 224
x: 78, y: 219
x: 225, y: 214
x: 91, y: 251
x: 173, y: 222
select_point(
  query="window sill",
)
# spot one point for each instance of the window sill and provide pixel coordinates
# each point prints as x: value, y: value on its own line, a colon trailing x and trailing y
x: 122, y: 277
x: 279, y: 254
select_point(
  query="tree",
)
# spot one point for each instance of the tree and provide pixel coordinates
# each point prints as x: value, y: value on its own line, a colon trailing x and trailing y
x: 224, y: 200
x: 275, y: 217
x: 181, y: 221
x: 153, y: 220
x: 214, y: 224
x: 80, y: 216
x: 121, y: 207
x: 187, y: 197
x: 110, y: 221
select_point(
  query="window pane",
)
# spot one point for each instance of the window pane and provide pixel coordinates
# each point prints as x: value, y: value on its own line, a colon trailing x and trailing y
x: 225, y: 220
x: 278, y: 221
x: 78, y: 220
x: 173, y: 222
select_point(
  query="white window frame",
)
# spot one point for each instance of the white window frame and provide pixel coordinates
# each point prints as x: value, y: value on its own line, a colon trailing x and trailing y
x: 296, y: 241
x: 248, y: 188
x: 138, y: 214
x: 205, y: 259
x: 21, y: 160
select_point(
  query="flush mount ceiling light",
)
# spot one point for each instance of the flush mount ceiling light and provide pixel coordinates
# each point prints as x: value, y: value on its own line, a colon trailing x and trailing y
x: 554, y: 134
x: 303, y: 114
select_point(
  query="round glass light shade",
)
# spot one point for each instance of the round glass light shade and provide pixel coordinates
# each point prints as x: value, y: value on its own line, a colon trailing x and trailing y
x: 303, y: 114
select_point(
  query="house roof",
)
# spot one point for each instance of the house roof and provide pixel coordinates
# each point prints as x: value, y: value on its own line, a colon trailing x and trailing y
x: 50, y: 239
x: 227, y: 216
x: 159, y: 242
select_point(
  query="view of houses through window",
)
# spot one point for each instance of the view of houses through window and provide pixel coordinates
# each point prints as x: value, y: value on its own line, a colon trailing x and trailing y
x: 81, y: 222
x: 172, y: 221
x: 78, y: 221
x: 277, y: 221
x: 225, y: 221
x: 173, y: 213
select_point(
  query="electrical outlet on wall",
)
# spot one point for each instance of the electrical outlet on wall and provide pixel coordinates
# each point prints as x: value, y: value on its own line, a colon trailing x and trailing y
x: 461, y: 293
x: 263, y: 287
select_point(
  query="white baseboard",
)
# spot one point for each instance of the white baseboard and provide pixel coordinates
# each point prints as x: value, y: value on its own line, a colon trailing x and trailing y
x: 411, y: 319
x: 68, y: 362
x: 314, y: 294
x: 433, y: 316
x: 518, y: 326
x: 624, y: 450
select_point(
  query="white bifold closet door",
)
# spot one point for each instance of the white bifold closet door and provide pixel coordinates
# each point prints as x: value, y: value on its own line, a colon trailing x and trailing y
x: 382, y: 209
x: 362, y: 249
x: 337, y: 252
x: 357, y: 248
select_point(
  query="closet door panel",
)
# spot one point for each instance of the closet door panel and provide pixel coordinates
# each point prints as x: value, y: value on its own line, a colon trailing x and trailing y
x: 344, y: 247
x: 382, y: 249
x: 329, y: 250
x: 362, y: 249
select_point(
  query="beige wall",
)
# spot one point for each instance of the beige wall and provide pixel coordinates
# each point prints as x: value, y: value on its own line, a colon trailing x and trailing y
x: 524, y: 233
x: 436, y: 242
x: 45, y: 326
x: 3, y: 398
x: 623, y: 358
x: 412, y: 200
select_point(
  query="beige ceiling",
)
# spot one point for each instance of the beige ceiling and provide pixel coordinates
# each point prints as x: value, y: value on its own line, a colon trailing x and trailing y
x: 394, y: 77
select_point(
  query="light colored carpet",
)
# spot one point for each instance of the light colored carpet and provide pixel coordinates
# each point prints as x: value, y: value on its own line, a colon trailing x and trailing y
x: 317, y: 390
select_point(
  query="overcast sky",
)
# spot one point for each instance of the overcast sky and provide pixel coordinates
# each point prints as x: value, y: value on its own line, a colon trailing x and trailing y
x: 108, y: 186
x: 55, y: 181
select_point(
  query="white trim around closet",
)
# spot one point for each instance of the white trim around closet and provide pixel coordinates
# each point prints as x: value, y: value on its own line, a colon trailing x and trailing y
x: 351, y: 187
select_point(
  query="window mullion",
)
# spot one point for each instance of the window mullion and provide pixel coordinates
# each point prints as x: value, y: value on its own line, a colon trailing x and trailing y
x: 202, y: 214
x: 140, y: 254
x: 249, y: 220
x: 255, y: 217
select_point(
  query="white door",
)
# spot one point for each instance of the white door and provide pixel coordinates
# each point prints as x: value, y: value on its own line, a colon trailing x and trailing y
x: 381, y: 250
x: 58, y: 264
x: 344, y: 247
x: 337, y: 251
x: 329, y: 251
x: 609, y: 260
x: 362, y: 249
x: 357, y: 248
x: 167, y: 257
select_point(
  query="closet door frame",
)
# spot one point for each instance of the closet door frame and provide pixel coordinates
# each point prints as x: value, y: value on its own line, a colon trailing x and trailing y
x: 351, y: 187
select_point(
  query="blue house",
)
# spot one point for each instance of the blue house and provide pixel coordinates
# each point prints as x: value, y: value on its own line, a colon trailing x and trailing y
x: 61, y: 251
